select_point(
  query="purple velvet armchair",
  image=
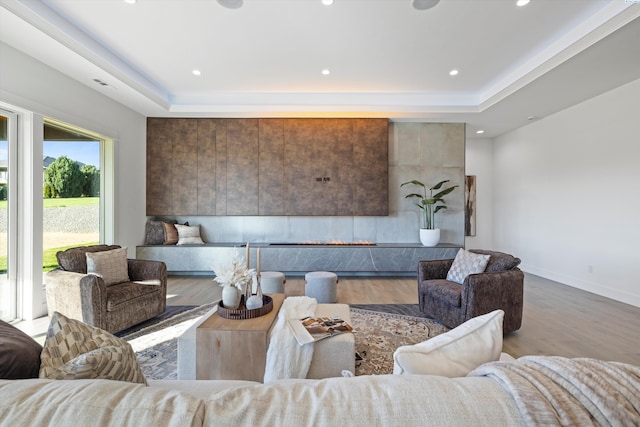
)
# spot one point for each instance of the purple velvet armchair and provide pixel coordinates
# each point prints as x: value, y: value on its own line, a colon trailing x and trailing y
x: 500, y: 286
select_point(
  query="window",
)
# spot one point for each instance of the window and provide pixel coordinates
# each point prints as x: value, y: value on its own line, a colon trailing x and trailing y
x: 71, y: 188
x: 8, y: 158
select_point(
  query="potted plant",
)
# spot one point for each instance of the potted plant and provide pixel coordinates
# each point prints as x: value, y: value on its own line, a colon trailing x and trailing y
x: 429, y: 204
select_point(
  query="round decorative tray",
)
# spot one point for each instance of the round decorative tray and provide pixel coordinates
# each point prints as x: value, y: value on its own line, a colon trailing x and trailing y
x: 243, y: 313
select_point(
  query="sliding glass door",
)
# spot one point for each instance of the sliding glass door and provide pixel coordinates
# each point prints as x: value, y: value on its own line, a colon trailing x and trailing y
x: 8, y: 158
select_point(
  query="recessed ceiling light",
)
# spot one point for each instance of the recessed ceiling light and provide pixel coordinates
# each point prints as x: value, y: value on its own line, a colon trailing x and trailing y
x: 196, y: 72
x: 530, y: 118
x: 479, y: 131
x: 130, y: 1
x: 424, y: 4
x: 325, y: 72
x: 453, y: 72
x: 522, y: 2
x: 327, y: 2
x: 231, y: 4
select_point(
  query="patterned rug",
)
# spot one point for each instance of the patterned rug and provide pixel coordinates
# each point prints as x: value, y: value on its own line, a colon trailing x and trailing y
x: 377, y: 335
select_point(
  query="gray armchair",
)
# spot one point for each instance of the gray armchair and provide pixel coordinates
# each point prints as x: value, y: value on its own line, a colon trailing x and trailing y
x: 500, y: 286
x: 85, y: 297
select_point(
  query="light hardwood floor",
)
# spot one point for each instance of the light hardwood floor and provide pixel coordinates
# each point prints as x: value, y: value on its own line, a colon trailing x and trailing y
x: 558, y: 319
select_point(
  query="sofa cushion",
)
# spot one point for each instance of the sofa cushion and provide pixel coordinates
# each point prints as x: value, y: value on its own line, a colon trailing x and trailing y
x: 75, y: 350
x: 499, y: 261
x: 170, y: 233
x: 154, y: 231
x: 74, y: 259
x: 443, y: 290
x: 189, y: 235
x: 19, y: 354
x: 454, y: 353
x: 111, y: 265
x: 41, y: 402
x: 370, y: 400
x: 466, y: 263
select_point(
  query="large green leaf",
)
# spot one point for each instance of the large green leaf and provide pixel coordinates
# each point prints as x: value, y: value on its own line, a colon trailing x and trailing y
x: 438, y: 185
x: 414, y: 182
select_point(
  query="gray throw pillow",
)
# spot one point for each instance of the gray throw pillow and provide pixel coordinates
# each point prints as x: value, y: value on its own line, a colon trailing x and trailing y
x: 19, y: 354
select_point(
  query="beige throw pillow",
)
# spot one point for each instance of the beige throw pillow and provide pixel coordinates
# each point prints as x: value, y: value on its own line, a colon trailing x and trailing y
x: 454, y: 353
x: 75, y: 350
x: 111, y: 265
x: 189, y: 235
x: 466, y: 263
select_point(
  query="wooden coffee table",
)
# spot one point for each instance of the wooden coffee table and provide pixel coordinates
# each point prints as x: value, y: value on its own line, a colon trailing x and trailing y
x: 228, y: 349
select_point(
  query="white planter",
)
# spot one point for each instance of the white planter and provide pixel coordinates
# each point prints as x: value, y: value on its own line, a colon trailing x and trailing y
x: 230, y: 297
x: 429, y: 237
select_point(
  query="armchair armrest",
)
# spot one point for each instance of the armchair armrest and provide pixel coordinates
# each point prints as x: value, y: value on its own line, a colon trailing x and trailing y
x: 435, y: 269
x: 76, y: 295
x: 488, y: 291
x: 141, y: 270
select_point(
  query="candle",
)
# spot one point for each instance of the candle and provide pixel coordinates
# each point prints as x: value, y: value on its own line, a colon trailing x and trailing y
x: 247, y: 255
x: 258, y: 263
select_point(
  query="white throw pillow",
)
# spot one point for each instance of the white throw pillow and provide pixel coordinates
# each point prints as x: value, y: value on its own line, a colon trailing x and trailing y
x: 111, y: 265
x: 454, y: 353
x: 466, y: 263
x: 189, y: 235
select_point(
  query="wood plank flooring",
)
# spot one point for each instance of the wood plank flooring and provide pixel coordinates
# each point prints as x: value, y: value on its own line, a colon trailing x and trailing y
x: 558, y: 319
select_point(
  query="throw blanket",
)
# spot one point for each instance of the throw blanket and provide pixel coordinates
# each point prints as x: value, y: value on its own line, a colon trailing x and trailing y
x: 554, y: 391
x: 285, y: 357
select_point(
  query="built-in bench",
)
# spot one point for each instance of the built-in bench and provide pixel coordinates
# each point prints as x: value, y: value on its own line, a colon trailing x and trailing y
x: 297, y: 259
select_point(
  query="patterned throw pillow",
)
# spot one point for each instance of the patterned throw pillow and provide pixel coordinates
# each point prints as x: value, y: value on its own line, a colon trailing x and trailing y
x: 466, y: 263
x: 75, y: 350
x: 111, y: 265
x: 189, y: 235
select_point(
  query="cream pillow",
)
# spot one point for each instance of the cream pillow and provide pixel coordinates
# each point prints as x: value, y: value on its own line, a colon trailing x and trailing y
x: 189, y: 235
x: 466, y: 263
x: 454, y: 353
x: 111, y: 265
x: 75, y: 350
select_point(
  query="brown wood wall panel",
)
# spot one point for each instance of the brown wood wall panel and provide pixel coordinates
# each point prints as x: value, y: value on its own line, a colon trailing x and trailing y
x: 318, y: 155
x: 221, y: 167
x: 322, y: 167
x: 242, y: 166
x: 271, y: 172
x: 185, y: 166
x: 371, y: 167
x: 159, y: 158
x: 206, y: 157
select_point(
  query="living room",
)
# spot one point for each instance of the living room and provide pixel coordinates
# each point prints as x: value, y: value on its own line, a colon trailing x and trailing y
x: 549, y: 176
x: 539, y: 186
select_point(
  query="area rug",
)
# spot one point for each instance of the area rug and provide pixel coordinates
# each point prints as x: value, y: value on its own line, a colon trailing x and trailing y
x: 377, y: 335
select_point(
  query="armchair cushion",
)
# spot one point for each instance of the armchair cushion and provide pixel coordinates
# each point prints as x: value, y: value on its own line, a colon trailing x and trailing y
x: 466, y: 263
x: 75, y: 350
x: 111, y: 265
x: 454, y: 353
x: 444, y: 290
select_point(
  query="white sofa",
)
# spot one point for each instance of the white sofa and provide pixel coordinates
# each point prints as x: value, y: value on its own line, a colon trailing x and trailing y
x: 358, y: 401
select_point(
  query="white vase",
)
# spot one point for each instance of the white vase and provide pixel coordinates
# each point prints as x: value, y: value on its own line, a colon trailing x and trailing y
x: 429, y: 237
x: 230, y: 297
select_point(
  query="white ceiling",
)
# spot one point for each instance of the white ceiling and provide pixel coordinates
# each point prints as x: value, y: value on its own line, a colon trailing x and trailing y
x: 386, y: 58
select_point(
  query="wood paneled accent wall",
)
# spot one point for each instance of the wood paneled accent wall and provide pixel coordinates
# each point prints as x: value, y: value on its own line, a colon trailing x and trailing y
x: 328, y: 167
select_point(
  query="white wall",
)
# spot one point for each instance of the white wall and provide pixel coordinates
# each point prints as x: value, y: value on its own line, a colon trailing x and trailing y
x: 566, y: 195
x: 31, y: 85
x: 479, y: 162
